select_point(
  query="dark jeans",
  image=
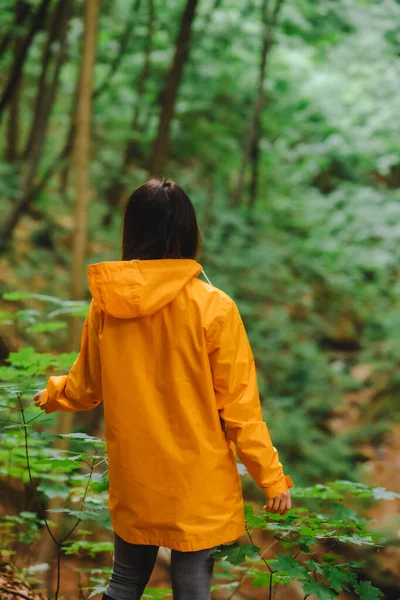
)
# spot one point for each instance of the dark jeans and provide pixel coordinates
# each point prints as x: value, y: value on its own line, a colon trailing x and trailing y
x: 191, y: 572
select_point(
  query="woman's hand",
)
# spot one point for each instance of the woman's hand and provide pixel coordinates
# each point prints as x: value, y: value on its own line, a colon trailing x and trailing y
x: 279, y: 505
x: 38, y: 398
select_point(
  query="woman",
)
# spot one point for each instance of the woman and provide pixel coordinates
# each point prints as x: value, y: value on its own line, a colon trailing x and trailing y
x: 169, y: 356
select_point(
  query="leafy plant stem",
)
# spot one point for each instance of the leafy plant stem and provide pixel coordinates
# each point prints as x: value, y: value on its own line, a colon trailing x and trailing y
x: 28, y: 464
x: 245, y: 574
x: 260, y: 554
x: 70, y: 532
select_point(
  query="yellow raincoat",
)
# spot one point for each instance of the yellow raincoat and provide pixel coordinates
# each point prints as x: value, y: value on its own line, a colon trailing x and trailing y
x: 169, y: 356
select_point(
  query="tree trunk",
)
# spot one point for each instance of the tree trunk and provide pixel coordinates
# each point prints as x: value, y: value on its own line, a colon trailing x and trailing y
x: 19, y: 61
x: 123, y: 43
x: 15, y: 213
x: 22, y: 11
x: 81, y: 147
x: 81, y: 161
x: 65, y: 155
x: 21, y: 204
x: 255, y: 149
x: 13, y: 128
x: 13, y: 124
x: 114, y: 193
x: 59, y: 18
x: 160, y: 148
x: 252, y: 150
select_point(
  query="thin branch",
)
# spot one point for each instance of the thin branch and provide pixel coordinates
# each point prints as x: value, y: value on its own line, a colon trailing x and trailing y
x: 63, y: 539
x: 42, y: 414
x: 276, y: 12
x: 271, y: 571
x: 59, y: 543
x: 251, y: 150
x: 28, y: 464
x: 244, y: 575
x: 10, y: 421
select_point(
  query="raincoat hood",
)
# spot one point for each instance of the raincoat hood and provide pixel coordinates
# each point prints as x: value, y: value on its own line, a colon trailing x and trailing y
x: 128, y: 289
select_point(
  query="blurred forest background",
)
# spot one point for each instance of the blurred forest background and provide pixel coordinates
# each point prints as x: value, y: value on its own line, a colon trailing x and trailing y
x: 280, y: 119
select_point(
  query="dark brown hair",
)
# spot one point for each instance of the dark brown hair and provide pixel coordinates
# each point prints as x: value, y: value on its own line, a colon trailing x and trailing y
x: 159, y: 222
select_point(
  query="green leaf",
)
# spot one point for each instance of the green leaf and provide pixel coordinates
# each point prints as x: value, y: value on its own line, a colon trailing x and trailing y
x: 338, y: 577
x: 287, y: 565
x: 83, y: 515
x: 252, y: 520
x: 366, y: 591
x: 100, y: 486
x: 66, y: 360
x: 358, y: 539
x: 54, y: 490
x: 89, y: 547
x: 48, y: 327
x: 6, y: 316
x: 32, y: 362
x: 236, y: 553
x: 17, y: 296
x: 157, y: 594
x: 83, y: 438
x: 322, y: 591
x: 261, y: 579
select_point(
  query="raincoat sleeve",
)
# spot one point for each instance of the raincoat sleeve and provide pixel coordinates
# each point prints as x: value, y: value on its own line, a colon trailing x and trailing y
x: 81, y: 388
x: 236, y: 390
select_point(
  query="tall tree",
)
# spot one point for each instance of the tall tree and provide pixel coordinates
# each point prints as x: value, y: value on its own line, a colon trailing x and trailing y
x: 81, y: 161
x: 13, y: 123
x: 251, y: 151
x: 59, y: 20
x: 19, y: 61
x: 21, y: 12
x: 41, y: 119
x: 160, y: 148
x: 101, y: 88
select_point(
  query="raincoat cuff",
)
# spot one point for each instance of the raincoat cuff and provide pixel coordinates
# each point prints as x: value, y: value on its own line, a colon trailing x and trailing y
x: 51, y: 393
x: 282, y: 485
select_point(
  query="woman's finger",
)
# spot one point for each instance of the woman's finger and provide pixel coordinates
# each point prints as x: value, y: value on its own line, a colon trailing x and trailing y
x: 287, y: 504
x: 268, y: 506
x: 38, y: 398
x: 284, y: 506
x: 276, y: 505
